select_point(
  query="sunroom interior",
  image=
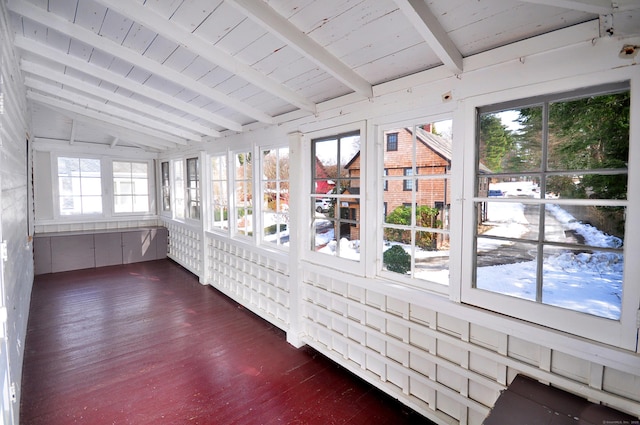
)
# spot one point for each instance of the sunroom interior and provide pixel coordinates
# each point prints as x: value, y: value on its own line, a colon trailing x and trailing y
x: 437, y: 195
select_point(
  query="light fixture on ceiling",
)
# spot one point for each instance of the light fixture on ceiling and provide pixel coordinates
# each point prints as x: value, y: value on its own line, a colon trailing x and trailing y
x: 629, y: 51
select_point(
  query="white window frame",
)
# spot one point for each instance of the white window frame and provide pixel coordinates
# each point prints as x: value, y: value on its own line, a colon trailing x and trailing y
x: 106, y: 182
x: 161, y: 205
x: 210, y: 203
x: 454, y: 176
x: 350, y: 266
x: 622, y: 333
x: 149, y: 188
x: 233, y: 204
x: 259, y: 217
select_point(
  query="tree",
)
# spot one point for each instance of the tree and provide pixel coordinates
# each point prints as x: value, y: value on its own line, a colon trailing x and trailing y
x: 496, y: 141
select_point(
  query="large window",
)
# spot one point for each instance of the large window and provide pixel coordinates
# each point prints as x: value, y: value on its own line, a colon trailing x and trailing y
x: 275, y: 196
x: 551, y: 200
x: 130, y: 187
x: 243, y: 193
x: 219, y: 193
x: 166, y: 186
x: 193, y: 188
x: 335, y: 200
x: 79, y: 186
x: 416, y: 198
x: 178, y: 188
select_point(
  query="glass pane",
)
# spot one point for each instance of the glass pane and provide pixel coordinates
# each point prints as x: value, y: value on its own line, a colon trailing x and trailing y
x: 140, y: 204
x: 276, y: 229
x: 67, y: 166
x: 349, y: 150
x: 91, y: 204
x: 325, y: 166
x: 397, y: 257
x: 434, y: 193
x: 91, y: 186
x: 139, y: 169
x: 70, y: 205
x: 122, y: 188
x: 90, y: 167
x: 511, y: 141
x: 506, y: 267
x: 507, y: 220
x: 589, y: 133
x: 140, y: 186
x: 270, y: 196
x: 587, y: 186
x: 585, y: 281
x: 66, y: 185
x: 324, y: 240
x: 123, y: 204
x: 520, y: 187
x: 121, y: 169
x: 431, y: 257
x: 591, y: 226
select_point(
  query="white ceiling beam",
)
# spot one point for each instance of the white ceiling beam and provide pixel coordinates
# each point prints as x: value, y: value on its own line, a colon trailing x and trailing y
x: 72, y: 137
x: 69, y: 29
x: 426, y: 23
x: 163, y: 138
x: 114, y: 142
x: 98, y: 106
x: 115, y: 79
x: 275, y: 23
x: 167, y: 29
x: 115, y: 98
x: 598, y: 7
x: 44, y: 72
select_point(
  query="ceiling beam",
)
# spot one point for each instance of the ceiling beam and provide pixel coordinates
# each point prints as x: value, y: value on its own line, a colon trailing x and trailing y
x: 277, y: 24
x: 69, y: 29
x: 151, y: 20
x: 163, y: 139
x: 72, y: 137
x: 598, y: 7
x: 114, y: 142
x: 117, y: 112
x: 428, y: 26
x: 38, y: 49
x: 42, y: 71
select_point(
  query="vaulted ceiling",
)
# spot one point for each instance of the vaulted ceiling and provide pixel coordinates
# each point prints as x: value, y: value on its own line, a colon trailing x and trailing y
x: 160, y: 74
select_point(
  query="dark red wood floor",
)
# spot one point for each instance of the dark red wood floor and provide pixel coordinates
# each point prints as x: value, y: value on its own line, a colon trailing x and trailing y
x: 147, y: 344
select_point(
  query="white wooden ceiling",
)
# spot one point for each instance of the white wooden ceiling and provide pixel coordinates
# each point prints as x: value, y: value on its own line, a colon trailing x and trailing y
x: 158, y: 74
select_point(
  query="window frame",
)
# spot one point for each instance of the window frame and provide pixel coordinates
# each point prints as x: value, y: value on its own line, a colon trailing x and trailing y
x: 106, y: 184
x: 149, y: 194
x: 233, y: 201
x: 259, y: 222
x: 165, y: 207
x: 211, y: 202
x: 383, y: 177
x: 621, y: 333
x: 193, y: 197
x: 330, y: 261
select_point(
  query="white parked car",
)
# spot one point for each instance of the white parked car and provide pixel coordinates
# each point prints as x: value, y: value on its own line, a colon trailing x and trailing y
x: 323, y: 205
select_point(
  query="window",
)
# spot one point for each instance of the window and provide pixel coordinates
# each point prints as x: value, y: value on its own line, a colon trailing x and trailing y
x: 219, y: 195
x: 415, y: 229
x: 178, y: 186
x: 407, y: 184
x: 392, y: 142
x: 193, y: 189
x: 275, y: 196
x: 243, y: 194
x: 336, y: 195
x: 79, y: 186
x: 130, y: 187
x: 555, y: 235
x: 166, y: 186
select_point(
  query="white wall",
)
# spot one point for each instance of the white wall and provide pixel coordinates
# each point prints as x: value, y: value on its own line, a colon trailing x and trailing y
x: 446, y: 359
x: 17, y: 221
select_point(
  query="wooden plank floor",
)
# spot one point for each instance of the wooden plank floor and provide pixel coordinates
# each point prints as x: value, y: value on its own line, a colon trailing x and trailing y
x: 147, y: 344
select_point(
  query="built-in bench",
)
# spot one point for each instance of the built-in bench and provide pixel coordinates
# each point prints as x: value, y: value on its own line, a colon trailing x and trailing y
x: 527, y: 401
x: 64, y: 251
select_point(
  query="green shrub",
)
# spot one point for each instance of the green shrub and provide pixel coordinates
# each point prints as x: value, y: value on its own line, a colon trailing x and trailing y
x: 425, y: 217
x: 396, y: 259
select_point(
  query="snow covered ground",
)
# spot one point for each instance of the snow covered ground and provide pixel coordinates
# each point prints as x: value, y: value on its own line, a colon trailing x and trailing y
x: 584, y: 280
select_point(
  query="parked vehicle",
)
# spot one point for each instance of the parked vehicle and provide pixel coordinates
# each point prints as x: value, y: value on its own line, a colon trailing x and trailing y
x: 496, y: 193
x: 323, y: 205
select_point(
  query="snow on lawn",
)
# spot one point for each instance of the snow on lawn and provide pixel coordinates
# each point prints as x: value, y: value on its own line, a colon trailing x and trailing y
x: 583, y: 280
